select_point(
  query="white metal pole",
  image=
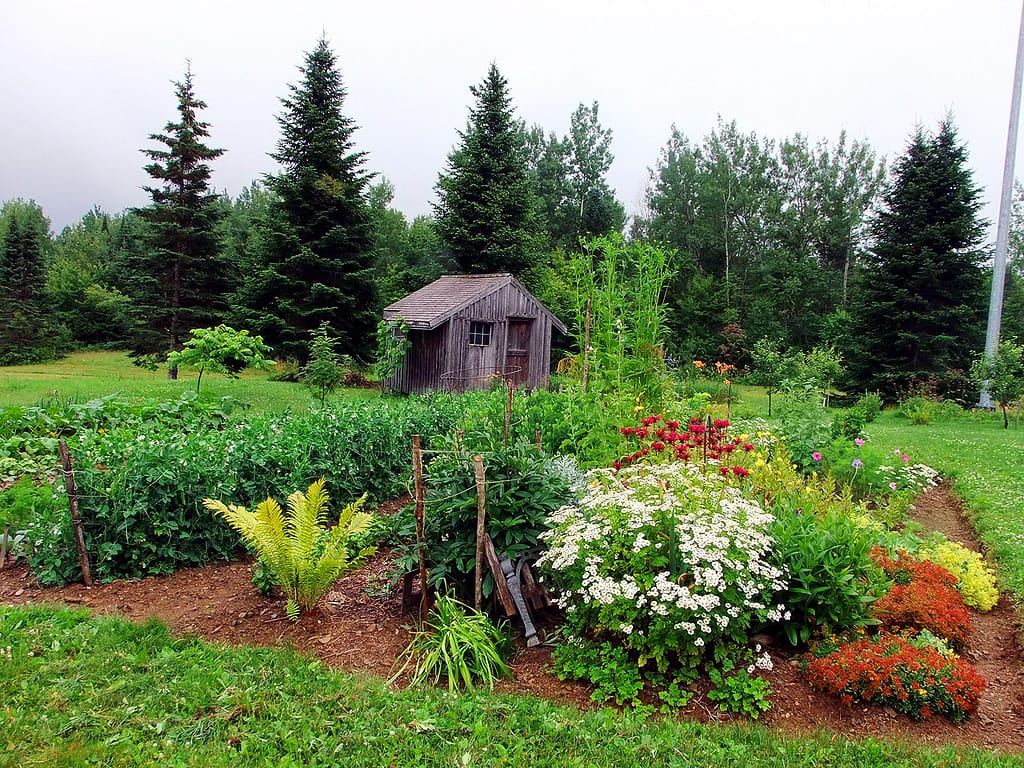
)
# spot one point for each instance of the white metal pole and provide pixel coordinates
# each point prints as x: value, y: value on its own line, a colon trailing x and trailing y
x: 995, y: 303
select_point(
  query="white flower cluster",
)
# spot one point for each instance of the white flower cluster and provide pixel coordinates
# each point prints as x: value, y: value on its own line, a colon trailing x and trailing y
x: 664, y: 550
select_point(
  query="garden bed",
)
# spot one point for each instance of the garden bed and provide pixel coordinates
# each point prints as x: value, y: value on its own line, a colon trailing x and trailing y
x: 361, y: 628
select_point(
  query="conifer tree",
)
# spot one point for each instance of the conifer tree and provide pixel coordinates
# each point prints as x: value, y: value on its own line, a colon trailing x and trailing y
x: 26, y: 335
x: 312, y: 262
x: 485, y: 212
x: 179, y: 280
x: 919, y: 315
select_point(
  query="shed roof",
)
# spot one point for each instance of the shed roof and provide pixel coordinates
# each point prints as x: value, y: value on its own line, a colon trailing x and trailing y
x: 435, y: 303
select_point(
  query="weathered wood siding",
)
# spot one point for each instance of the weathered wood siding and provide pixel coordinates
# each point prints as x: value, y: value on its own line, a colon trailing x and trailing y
x: 443, y: 358
x: 424, y: 362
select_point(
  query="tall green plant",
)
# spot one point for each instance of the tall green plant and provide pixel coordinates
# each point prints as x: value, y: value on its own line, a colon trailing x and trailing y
x: 620, y: 286
x: 1002, y: 375
x: 221, y: 350
x: 323, y: 373
x: 392, y: 344
x: 305, y: 556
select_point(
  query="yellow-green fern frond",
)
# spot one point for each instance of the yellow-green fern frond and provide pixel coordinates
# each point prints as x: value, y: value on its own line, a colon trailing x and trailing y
x: 305, y: 557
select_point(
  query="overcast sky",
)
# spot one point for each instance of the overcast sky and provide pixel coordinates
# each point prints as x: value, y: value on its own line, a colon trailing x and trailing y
x: 82, y: 84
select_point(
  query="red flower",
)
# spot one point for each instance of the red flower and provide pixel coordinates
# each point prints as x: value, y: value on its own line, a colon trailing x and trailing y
x: 658, y: 446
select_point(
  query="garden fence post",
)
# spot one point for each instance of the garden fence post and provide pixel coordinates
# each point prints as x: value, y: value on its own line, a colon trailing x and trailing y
x: 508, y: 411
x: 586, y: 343
x: 481, y: 513
x: 69, y: 483
x: 417, y: 470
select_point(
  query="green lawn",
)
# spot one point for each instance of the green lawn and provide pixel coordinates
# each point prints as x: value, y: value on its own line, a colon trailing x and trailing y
x: 986, y: 465
x: 99, y: 691
x: 83, y: 376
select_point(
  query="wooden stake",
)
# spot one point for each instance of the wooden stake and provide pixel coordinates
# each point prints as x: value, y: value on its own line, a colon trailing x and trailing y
x: 69, y: 483
x: 586, y: 343
x: 481, y: 513
x: 508, y: 411
x: 540, y: 449
x: 421, y: 541
x: 3, y: 547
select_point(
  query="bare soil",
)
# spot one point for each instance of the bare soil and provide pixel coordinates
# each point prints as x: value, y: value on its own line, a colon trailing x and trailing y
x: 360, y: 627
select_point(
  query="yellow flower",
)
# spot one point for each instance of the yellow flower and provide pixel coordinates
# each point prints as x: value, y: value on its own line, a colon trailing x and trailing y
x: 744, y: 437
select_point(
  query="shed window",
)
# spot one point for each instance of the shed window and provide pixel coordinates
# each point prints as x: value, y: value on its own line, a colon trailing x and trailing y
x: 479, y: 334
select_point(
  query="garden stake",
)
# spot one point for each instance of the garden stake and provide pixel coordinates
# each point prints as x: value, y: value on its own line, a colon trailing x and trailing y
x: 3, y: 547
x: 69, y: 483
x: 481, y: 512
x: 417, y: 470
x: 508, y: 410
x: 586, y: 343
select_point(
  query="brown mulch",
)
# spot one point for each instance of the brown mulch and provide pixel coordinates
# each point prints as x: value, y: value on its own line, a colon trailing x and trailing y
x: 361, y: 628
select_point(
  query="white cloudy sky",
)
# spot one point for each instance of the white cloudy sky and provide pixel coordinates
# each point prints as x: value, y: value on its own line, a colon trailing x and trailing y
x: 82, y: 84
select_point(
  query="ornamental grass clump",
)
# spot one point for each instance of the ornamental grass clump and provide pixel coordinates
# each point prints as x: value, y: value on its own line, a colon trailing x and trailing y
x: 892, y: 670
x: 663, y: 567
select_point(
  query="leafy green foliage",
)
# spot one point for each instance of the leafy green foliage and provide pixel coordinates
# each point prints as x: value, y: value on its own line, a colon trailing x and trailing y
x: 832, y: 580
x: 458, y: 644
x: 221, y: 350
x: 323, y: 373
x: 522, y: 488
x: 1002, y: 375
x: 392, y: 345
x: 305, y: 556
x: 739, y: 690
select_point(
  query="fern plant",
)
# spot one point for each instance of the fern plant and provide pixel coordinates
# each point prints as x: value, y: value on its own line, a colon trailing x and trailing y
x: 305, y: 556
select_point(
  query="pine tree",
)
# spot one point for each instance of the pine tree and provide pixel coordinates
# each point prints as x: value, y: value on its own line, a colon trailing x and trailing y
x: 26, y: 336
x: 179, y: 282
x: 312, y: 262
x: 919, y: 315
x: 485, y: 210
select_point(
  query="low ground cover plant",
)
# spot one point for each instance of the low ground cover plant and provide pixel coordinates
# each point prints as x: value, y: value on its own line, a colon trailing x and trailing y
x: 922, y: 596
x: 975, y: 581
x: 891, y: 670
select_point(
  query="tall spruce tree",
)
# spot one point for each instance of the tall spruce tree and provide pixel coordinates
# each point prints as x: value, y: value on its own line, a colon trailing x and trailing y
x: 178, y: 281
x: 485, y: 211
x: 26, y: 335
x: 312, y: 261
x: 920, y: 311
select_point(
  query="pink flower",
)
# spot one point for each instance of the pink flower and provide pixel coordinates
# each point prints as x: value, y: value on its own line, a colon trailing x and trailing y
x: 893, y: 486
x: 905, y: 457
x: 858, y: 442
x: 816, y: 456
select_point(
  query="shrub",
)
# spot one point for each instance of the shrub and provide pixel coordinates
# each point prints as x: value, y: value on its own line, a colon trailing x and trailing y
x: 305, y: 556
x: 890, y: 670
x: 458, y: 644
x: 870, y: 404
x: 832, y: 580
x: 975, y: 581
x: 665, y: 561
x: 848, y: 424
x: 522, y: 488
x: 922, y: 597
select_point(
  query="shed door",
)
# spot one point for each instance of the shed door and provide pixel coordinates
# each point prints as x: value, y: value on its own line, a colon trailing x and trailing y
x: 517, y: 352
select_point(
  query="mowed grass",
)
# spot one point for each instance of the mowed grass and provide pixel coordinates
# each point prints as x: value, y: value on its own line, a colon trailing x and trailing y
x: 84, y: 376
x: 986, y: 464
x: 83, y: 690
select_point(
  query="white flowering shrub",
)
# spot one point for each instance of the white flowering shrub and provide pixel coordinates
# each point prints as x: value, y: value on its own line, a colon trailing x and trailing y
x: 663, y: 565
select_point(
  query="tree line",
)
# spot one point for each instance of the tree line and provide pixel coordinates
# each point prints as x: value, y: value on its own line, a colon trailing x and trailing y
x: 804, y: 245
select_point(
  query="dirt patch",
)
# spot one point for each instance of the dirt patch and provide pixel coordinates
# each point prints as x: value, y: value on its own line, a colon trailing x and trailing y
x: 360, y: 627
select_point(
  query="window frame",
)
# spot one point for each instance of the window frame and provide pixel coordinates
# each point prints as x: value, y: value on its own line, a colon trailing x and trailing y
x: 480, y: 333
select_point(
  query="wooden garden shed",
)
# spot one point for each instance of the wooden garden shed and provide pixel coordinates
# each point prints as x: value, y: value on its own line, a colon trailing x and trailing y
x: 466, y: 331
